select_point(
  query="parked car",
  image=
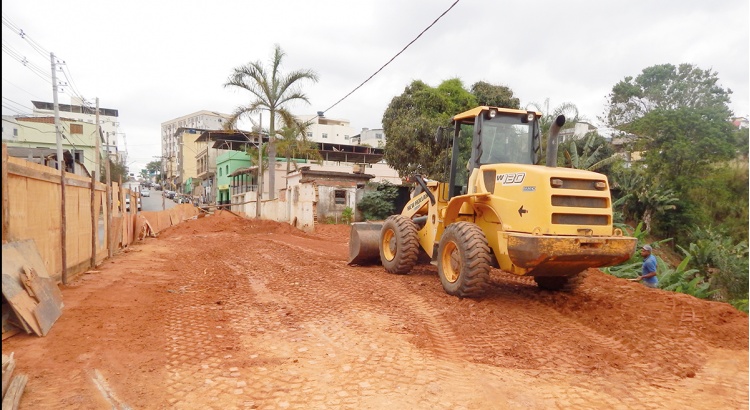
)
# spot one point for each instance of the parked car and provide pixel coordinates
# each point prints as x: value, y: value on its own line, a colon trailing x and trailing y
x: 127, y: 203
x: 145, y: 192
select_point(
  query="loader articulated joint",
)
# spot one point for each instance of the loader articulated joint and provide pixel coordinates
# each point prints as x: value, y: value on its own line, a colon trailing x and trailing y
x: 418, y: 179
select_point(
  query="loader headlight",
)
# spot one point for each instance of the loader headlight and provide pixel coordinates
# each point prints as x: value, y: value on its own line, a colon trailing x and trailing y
x: 492, y: 114
x: 556, y: 183
x: 530, y: 117
x: 600, y: 185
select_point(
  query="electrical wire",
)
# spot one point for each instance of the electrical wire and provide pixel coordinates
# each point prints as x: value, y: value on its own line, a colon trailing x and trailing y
x: 17, y: 103
x: 26, y: 63
x: 13, y: 109
x: 394, y: 57
x: 14, y: 85
x: 36, y: 46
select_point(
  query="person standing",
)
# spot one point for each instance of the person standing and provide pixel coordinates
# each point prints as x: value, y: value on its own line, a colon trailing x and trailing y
x: 648, y: 270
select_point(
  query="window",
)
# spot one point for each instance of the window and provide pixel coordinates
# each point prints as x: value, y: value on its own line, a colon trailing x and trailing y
x: 378, y: 135
x: 346, y: 137
x: 76, y: 128
x: 339, y: 197
x: 309, y: 135
x: 219, y: 171
x: 15, y: 132
x: 227, y: 169
x: 325, y: 135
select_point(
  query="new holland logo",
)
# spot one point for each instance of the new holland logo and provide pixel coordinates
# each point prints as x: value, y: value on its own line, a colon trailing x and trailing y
x: 515, y: 178
x: 418, y: 202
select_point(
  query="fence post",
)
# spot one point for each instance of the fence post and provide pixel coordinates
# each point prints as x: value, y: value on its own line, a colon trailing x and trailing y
x: 94, y: 219
x: 6, y: 199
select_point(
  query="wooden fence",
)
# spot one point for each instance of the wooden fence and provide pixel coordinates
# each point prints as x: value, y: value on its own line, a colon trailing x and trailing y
x: 32, y: 203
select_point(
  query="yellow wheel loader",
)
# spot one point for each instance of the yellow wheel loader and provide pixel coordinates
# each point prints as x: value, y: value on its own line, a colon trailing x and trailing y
x: 501, y: 209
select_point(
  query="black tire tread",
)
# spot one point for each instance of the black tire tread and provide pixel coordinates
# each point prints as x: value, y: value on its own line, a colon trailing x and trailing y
x: 473, y: 281
x: 407, y: 238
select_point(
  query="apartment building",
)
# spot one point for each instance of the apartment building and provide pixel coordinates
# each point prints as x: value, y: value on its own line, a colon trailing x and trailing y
x: 173, y: 156
x: 84, y: 112
x: 372, y: 138
x: 327, y: 130
x: 35, y: 139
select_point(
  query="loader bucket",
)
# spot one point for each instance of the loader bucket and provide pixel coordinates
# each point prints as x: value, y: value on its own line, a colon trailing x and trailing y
x: 364, y: 243
x: 565, y: 256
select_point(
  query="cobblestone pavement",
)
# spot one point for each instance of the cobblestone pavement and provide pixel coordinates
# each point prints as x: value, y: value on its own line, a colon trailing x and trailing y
x: 225, y: 313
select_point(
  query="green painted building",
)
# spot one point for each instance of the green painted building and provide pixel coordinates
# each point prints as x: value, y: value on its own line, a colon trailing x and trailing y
x: 226, y: 164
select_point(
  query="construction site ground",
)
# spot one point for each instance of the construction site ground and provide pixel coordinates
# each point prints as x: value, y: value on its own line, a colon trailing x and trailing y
x: 229, y: 313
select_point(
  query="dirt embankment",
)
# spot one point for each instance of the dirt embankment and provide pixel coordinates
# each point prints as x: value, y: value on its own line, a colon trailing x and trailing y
x: 222, y: 312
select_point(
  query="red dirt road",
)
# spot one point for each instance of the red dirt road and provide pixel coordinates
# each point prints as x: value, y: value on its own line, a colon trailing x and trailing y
x: 229, y: 313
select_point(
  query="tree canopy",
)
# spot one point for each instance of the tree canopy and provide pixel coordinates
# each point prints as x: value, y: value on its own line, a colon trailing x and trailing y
x: 666, y: 87
x: 411, y: 120
x: 494, y: 95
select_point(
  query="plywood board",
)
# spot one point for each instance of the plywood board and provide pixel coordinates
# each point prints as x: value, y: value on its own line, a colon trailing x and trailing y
x: 40, y: 309
x: 48, y: 296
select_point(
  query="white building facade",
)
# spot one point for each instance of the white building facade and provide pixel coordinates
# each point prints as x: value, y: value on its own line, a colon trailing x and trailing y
x: 78, y: 110
x: 327, y: 130
x: 170, y: 139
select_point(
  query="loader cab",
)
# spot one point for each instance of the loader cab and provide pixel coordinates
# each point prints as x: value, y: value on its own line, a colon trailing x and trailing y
x: 498, y: 135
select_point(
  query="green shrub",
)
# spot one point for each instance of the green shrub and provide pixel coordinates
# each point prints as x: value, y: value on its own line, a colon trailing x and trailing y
x: 347, y: 215
x: 379, y: 204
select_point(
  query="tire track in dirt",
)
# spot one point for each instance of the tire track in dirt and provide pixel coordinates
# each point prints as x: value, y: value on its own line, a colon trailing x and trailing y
x: 201, y: 371
x: 332, y: 325
x: 345, y: 337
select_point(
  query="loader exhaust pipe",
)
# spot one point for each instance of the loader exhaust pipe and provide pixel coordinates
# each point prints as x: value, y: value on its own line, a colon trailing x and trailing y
x: 554, y: 130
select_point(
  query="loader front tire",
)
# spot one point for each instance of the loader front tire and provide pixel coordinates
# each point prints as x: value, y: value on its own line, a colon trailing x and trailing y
x: 464, y: 260
x: 399, y: 244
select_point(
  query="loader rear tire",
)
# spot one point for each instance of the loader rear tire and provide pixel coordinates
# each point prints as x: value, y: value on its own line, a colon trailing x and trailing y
x: 399, y: 244
x: 464, y: 260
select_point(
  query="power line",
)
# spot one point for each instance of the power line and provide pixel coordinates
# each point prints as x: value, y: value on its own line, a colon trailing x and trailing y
x: 44, y: 53
x: 14, y: 85
x: 36, y: 46
x: 17, y: 103
x: 26, y: 63
x: 12, y: 109
x: 394, y: 57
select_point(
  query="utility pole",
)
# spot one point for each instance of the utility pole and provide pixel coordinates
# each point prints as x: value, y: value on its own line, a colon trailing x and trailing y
x: 260, y: 166
x: 94, y: 216
x: 110, y: 251
x: 163, y: 171
x: 61, y: 167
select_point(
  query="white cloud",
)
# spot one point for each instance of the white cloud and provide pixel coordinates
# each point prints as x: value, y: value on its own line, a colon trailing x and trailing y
x: 158, y: 60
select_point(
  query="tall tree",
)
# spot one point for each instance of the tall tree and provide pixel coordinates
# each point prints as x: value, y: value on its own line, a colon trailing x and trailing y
x: 494, y: 95
x: 271, y: 91
x: 294, y: 144
x: 666, y: 87
x: 153, y: 167
x: 568, y: 109
x: 410, y: 121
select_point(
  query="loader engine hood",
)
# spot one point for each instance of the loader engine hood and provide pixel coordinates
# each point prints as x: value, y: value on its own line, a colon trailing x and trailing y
x: 544, y: 200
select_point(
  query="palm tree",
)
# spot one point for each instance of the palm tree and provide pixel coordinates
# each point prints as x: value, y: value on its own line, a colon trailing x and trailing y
x: 294, y: 144
x: 271, y: 91
x: 569, y: 110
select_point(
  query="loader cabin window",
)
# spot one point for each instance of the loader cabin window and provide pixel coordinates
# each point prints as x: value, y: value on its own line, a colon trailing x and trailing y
x: 506, y: 140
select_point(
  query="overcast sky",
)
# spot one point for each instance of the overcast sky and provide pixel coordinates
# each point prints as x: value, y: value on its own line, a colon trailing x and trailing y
x: 161, y: 59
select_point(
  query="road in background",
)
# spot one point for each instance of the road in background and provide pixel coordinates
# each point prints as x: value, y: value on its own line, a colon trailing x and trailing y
x: 154, y: 202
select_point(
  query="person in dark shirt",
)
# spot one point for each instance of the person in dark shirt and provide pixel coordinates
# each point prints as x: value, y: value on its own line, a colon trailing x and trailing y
x: 648, y: 270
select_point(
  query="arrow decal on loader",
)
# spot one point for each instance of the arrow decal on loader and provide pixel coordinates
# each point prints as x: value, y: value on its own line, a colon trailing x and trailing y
x: 522, y: 211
